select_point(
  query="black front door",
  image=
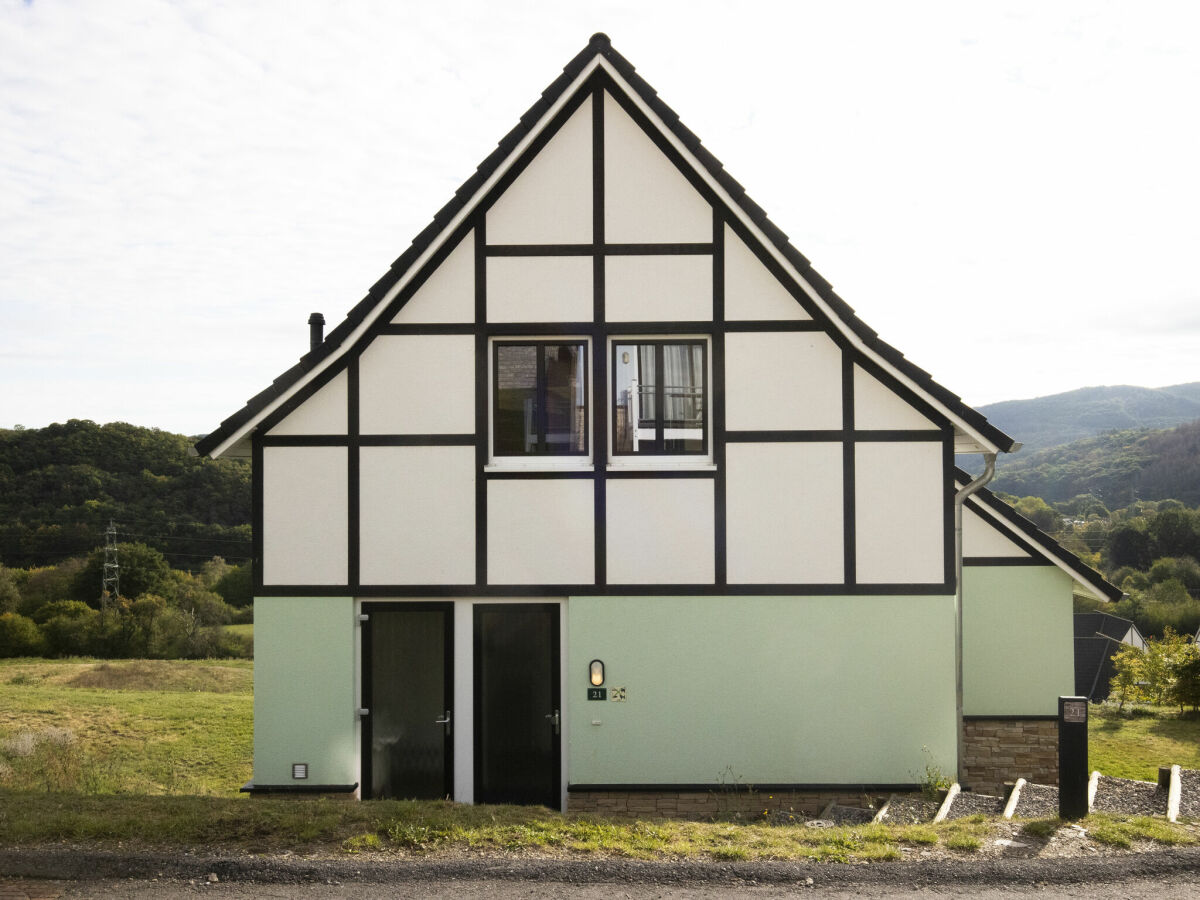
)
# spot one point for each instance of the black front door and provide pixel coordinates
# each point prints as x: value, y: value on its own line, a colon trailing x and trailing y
x: 517, y: 708
x: 407, y: 689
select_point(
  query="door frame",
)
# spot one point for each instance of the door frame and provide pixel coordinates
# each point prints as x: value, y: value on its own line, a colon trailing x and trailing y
x: 367, y: 687
x: 557, y: 683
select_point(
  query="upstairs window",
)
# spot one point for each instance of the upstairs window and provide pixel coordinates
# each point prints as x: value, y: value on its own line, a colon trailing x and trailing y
x: 660, y: 397
x: 539, y: 403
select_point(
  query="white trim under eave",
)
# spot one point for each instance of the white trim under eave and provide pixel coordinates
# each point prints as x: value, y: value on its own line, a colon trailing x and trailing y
x: 461, y: 216
x: 984, y: 445
x: 1048, y: 554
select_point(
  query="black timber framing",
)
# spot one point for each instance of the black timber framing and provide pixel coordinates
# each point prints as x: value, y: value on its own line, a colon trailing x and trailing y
x: 599, y: 331
x: 599, y: 348
x: 598, y: 46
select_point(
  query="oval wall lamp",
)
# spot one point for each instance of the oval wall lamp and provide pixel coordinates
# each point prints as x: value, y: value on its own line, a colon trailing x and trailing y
x: 596, y: 672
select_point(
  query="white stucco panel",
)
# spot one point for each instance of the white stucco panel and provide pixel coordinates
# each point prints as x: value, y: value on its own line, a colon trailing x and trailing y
x: 784, y: 513
x: 876, y: 406
x: 304, y: 515
x: 417, y: 515
x: 982, y: 538
x: 539, y: 289
x: 658, y: 288
x: 660, y: 531
x: 782, y: 380
x: 551, y: 201
x: 899, y: 502
x: 417, y: 384
x: 646, y: 199
x: 448, y: 295
x: 322, y: 413
x: 751, y: 291
x: 541, y: 531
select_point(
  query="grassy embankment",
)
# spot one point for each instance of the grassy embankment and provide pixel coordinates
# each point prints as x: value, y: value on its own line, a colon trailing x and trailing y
x: 152, y: 753
x: 1135, y: 742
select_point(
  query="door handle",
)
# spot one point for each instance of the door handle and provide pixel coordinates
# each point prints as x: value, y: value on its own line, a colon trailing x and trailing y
x: 445, y: 720
x: 554, y: 720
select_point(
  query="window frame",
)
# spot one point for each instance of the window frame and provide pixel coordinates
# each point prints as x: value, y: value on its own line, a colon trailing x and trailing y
x: 659, y: 457
x: 570, y: 460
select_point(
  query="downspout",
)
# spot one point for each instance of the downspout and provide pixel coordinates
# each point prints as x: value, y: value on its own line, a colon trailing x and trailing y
x: 989, y: 469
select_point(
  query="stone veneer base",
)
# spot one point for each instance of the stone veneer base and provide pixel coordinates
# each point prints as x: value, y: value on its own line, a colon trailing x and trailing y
x: 1001, y: 750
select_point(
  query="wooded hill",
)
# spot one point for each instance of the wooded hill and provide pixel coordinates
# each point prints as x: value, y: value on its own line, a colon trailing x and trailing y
x: 60, y: 486
x: 1118, y: 467
x: 1062, y: 418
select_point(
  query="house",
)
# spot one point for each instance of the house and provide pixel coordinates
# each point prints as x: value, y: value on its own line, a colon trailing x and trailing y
x: 1098, y: 636
x: 602, y: 497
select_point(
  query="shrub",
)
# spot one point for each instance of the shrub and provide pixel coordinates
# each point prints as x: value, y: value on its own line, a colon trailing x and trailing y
x: 19, y: 636
x: 71, y: 632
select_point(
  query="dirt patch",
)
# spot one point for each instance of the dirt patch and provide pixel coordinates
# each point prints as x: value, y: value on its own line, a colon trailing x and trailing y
x: 161, y: 675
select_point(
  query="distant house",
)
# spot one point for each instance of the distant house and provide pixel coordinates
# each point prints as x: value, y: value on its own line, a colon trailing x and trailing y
x: 602, y: 496
x: 1097, y: 637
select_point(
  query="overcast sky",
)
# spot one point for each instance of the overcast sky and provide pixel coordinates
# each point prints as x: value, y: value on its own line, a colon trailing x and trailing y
x: 1009, y: 193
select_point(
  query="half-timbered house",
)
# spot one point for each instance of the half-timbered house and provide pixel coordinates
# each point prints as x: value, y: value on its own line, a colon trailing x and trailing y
x: 602, y: 491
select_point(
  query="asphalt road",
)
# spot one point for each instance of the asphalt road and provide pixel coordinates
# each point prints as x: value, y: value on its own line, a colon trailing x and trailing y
x: 47, y: 874
x: 1146, y: 888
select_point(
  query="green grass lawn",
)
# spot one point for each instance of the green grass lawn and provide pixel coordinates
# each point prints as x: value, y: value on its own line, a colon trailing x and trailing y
x: 1135, y: 743
x: 140, y: 726
x: 245, y: 630
x: 153, y: 751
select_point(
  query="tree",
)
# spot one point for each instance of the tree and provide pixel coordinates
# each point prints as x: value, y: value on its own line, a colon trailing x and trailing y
x: 143, y: 570
x: 1186, y: 690
x: 1128, y: 666
x: 10, y: 595
x: 19, y: 636
x: 1129, y: 546
x: 1173, y: 533
x: 1039, y: 512
x: 237, y: 586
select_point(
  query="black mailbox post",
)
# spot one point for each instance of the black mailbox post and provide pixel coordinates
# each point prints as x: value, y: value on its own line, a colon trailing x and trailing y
x: 1072, y: 757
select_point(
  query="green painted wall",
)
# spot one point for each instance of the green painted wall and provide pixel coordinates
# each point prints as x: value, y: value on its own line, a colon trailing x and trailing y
x: 1018, y: 640
x: 304, y: 691
x: 813, y: 690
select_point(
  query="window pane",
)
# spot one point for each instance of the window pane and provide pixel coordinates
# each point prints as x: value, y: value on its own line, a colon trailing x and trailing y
x: 653, y: 374
x: 633, y: 415
x: 683, y: 398
x: 566, y: 410
x: 516, y: 409
x: 540, y: 403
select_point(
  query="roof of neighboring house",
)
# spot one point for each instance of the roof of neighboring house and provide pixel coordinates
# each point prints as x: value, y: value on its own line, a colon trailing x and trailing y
x: 1000, y: 513
x: 471, y: 192
x: 1101, y: 624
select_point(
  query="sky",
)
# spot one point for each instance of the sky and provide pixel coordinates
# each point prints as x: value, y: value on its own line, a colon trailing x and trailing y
x: 1009, y: 193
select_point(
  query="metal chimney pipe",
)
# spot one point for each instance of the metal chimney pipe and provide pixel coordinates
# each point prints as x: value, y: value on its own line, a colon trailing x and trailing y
x: 316, y: 330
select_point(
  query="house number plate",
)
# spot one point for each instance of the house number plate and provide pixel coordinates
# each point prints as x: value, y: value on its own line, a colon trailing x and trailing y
x: 1075, y: 711
x: 597, y: 693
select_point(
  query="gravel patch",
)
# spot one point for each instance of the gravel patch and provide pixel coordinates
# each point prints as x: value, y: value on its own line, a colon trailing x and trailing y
x: 969, y: 804
x: 1124, y: 795
x: 1189, y: 796
x: 911, y: 811
x: 1037, y: 801
x: 851, y: 815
